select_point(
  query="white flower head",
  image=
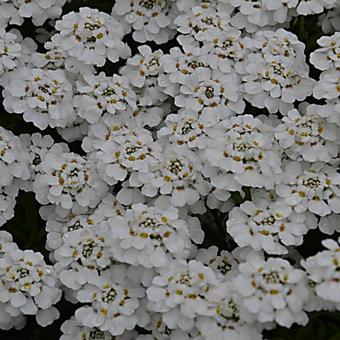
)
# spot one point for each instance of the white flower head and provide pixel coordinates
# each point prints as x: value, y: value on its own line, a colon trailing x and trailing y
x: 142, y: 65
x: 14, y: 12
x: 310, y: 187
x: 177, y: 173
x: 327, y: 56
x: 13, y: 158
x: 84, y: 253
x: 213, y: 93
x: 68, y: 179
x: 329, y: 85
x: 122, y: 148
x: 323, y: 269
x: 203, y: 17
x: 228, y: 318
x: 111, y: 303
x: 99, y: 94
x: 308, y: 136
x: 245, y: 147
x: 10, y: 50
x: 91, y: 36
x: 179, y: 292
x: 307, y: 7
x: 149, y: 236
x: 276, y: 74
x: 28, y: 286
x: 273, y: 290
x: 223, y: 263
x: 44, y: 97
x: 152, y: 20
x: 268, y: 226
x: 8, y: 196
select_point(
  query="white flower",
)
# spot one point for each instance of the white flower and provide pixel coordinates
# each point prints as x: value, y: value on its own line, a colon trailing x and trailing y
x: 10, y: 50
x: 8, y: 195
x: 328, y: 86
x: 273, y: 290
x: 39, y: 10
x: 179, y: 292
x: 100, y: 94
x: 43, y: 97
x: 73, y: 330
x: 276, y: 74
x: 143, y: 65
x: 204, y: 17
x: 253, y: 15
x: 307, y: 7
x: 159, y: 330
x: 244, y: 147
x: 149, y: 236
x: 112, y: 302
x: 91, y: 36
x: 329, y: 20
x: 177, y: 66
x: 121, y: 148
x: 327, y: 56
x: 213, y: 93
x: 323, y: 269
x: 58, y: 226
x: 84, y: 253
x: 177, y: 173
x: 152, y: 20
x: 187, y: 129
x: 226, y: 49
x: 224, y: 264
x: 28, y: 286
x: 13, y: 158
x: 228, y: 320
x: 67, y: 179
x: 38, y: 147
x: 308, y: 136
x: 313, y: 187
x: 268, y: 226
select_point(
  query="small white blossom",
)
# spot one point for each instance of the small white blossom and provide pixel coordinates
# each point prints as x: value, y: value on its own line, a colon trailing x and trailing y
x: 13, y: 158
x: 142, y: 66
x: 328, y: 86
x: 268, y: 226
x: 112, y: 302
x: 307, y: 7
x: 276, y: 74
x: 245, y: 147
x: 149, y: 236
x: 323, y: 269
x: 84, y: 254
x: 15, y: 11
x: 100, y: 94
x: 28, y: 286
x: 311, y: 187
x: 68, y: 179
x: 179, y: 292
x: 10, y: 50
x: 43, y: 97
x: 273, y: 290
x: 152, y: 20
x: 177, y: 173
x: 91, y: 36
x: 327, y: 56
x: 308, y: 136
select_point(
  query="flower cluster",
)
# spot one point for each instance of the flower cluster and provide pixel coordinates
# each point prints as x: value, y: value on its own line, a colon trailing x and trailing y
x: 177, y: 183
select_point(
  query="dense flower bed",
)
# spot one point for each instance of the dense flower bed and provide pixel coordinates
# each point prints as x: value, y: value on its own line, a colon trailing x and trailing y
x: 184, y: 156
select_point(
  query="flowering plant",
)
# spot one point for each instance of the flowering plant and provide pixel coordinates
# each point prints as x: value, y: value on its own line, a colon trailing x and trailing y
x: 170, y: 169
